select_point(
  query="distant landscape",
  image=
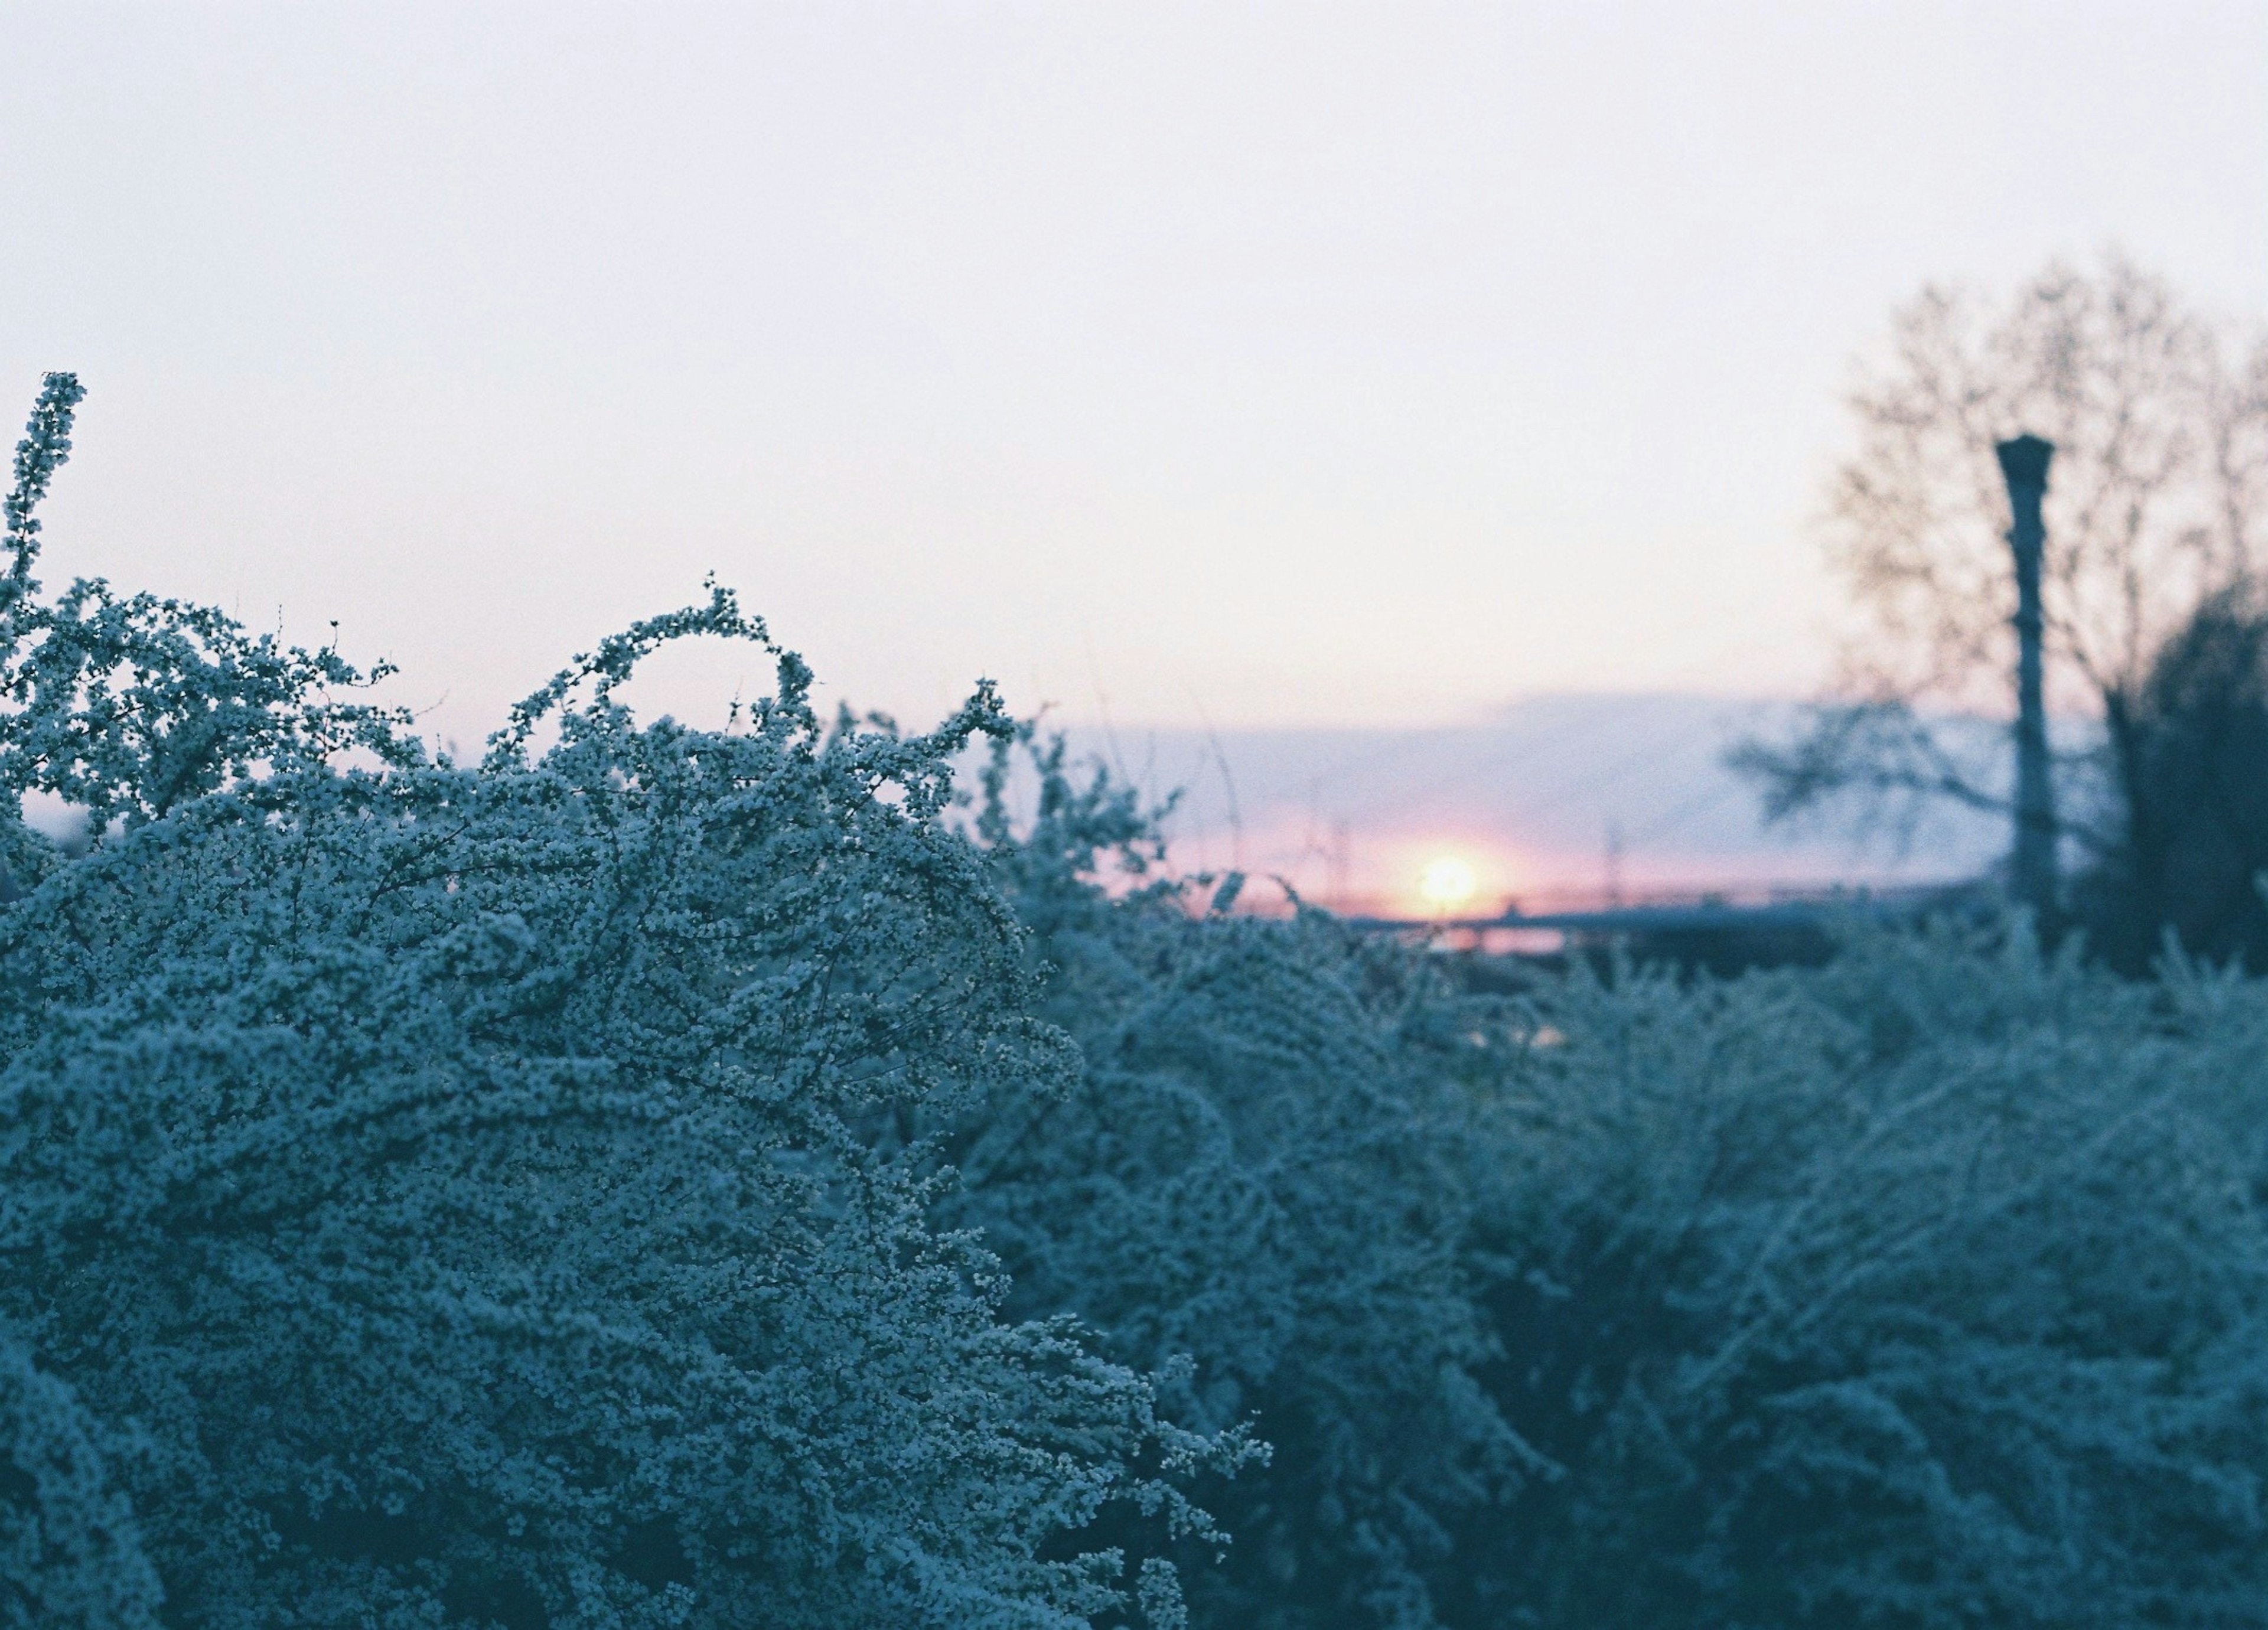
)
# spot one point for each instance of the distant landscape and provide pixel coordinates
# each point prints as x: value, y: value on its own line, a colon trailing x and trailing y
x: 1531, y: 799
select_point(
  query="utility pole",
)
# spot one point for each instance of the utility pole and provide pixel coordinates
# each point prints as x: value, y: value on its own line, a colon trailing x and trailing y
x: 2024, y: 465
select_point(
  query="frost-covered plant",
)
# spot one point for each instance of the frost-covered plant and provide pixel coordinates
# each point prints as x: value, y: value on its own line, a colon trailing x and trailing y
x: 1927, y: 1289
x: 516, y: 1195
x: 1263, y: 1168
x: 70, y: 1555
x: 437, y: 1195
x: 1930, y: 1289
x: 129, y: 706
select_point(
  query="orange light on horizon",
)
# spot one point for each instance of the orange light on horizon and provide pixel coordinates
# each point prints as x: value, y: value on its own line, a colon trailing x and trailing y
x: 1447, y: 884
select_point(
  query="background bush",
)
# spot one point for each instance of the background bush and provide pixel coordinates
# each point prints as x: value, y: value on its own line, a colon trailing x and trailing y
x: 1923, y: 1289
x: 2189, y: 835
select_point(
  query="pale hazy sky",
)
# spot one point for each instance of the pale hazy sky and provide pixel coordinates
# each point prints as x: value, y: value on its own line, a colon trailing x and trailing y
x: 1244, y: 364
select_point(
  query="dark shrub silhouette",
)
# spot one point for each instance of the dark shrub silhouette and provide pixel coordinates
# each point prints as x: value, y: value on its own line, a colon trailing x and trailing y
x: 2189, y: 753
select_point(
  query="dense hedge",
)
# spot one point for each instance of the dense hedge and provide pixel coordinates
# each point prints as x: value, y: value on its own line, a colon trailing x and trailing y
x: 709, y: 1179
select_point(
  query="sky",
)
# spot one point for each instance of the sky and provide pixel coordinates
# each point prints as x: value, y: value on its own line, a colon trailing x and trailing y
x: 1558, y: 802
x: 1204, y: 367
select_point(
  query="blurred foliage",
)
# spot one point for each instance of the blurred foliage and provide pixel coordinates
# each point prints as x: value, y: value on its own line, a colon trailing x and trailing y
x: 2192, y: 751
x: 1925, y: 1288
x: 2156, y: 513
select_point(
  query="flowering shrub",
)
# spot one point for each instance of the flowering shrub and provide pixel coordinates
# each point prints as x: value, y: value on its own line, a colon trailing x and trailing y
x: 1926, y: 1289
x: 683, y: 1178
x: 1264, y: 1170
x: 453, y: 1195
x: 1929, y: 1288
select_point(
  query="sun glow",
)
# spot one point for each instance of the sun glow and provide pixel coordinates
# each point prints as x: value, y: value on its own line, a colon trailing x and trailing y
x: 1447, y: 884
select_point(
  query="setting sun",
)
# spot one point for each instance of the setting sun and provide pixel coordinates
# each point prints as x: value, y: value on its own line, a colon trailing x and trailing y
x: 1447, y: 884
